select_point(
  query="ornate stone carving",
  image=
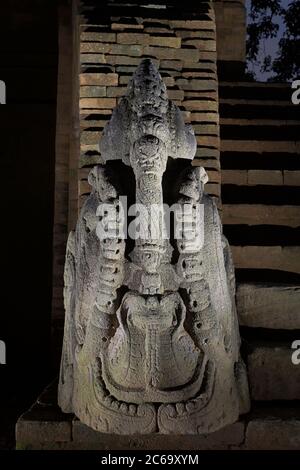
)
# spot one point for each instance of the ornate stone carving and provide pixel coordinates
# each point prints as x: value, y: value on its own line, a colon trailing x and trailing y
x: 151, y: 338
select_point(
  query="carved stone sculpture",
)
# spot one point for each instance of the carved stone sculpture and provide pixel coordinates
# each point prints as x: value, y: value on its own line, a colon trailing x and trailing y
x: 151, y: 339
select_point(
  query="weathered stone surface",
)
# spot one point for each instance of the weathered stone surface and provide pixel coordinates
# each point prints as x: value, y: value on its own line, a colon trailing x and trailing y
x: 267, y: 428
x: 201, y: 95
x: 171, y: 64
x: 266, y: 306
x: 258, y: 214
x: 150, y: 360
x: 133, y: 38
x: 214, y: 176
x: 85, y: 438
x: 121, y: 60
x: 204, y: 116
x: 55, y: 426
x: 199, y: 74
x: 165, y: 41
x: 198, y: 105
x: 95, y: 123
x: 116, y: 91
x: 209, y: 140
x: 199, y: 34
x: 94, y: 47
x: 124, y: 49
x: 272, y: 375
x: 108, y: 79
x: 211, y: 163
x: 291, y: 178
x: 147, y: 40
x: 98, y: 36
x: 124, y: 26
x: 90, y: 137
x: 275, y: 428
x: 193, y: 24
x: 213, y: 189
x: 265, y: 177
x: 230, y: 436
x: 168, y: 53
x: 93, y: 91
x: 93, y: 59
x: 196, y: 84
x: 125, y: 79
x: 204, y: 152
x: 206, y: 129
x: 97, y: 103
x: 238, y: 177
x: 285, y: 258
x: 176, y: 95
x: 201, y: 44
x: 207, y: 65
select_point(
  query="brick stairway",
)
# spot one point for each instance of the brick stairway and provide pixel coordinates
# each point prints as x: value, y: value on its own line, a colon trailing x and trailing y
x: 260, y: 150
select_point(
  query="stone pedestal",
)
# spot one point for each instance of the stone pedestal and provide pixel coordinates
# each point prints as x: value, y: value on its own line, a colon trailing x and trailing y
x: 267, y: 427
x: 45, y: 427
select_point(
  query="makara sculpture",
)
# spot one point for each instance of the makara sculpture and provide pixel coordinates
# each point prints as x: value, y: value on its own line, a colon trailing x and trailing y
x: 151, y: 340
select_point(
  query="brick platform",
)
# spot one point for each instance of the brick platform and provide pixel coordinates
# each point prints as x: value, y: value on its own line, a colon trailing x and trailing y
x: 45, y: 427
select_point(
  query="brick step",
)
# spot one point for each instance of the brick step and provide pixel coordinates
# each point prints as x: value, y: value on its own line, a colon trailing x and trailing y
x: 273, y: 427
x: 260, y: 146
x: 260, y: 214
x: 239, y: 123
x: 286, y: 132
x: 261, y: 177
x: 281, y: 258
x: 268, y: 306
x: 267, y: 426
x: 271, y: 372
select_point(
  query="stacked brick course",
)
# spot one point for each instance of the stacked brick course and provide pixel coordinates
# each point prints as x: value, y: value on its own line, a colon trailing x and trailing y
x: 185, y: 52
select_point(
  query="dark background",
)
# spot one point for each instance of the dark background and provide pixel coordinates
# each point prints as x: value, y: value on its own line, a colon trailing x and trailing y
x: 28, y: 65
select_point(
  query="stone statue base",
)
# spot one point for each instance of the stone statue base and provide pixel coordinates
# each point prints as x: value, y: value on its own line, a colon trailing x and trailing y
x: 45, y: 427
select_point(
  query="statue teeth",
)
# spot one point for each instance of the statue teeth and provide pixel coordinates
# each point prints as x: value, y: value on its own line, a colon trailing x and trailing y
x: 132, y: 409
x: 108, y: 400
x: 123, y: 408
x: 115, y: 405
x: 180, y: 408
x: 141, y: 410
x: 190, y: 406
x: 171, y: 411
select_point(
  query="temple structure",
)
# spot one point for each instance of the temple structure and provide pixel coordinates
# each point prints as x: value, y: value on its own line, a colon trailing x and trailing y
x: 247, y: 140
